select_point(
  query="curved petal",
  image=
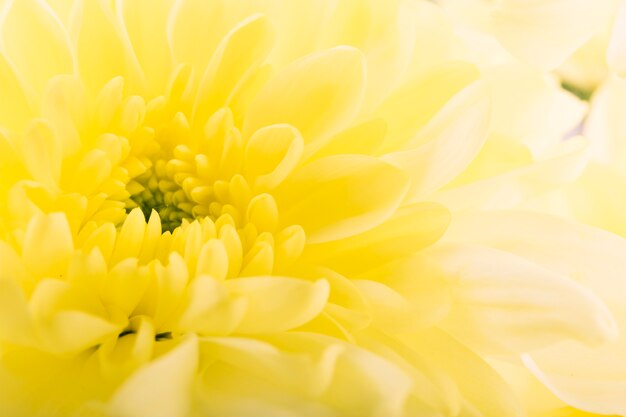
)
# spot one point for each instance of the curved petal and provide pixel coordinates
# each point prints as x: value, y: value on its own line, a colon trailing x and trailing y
x: 32, y: 35
x: 186, y: 24
x: 14, y: 107
x: 208, y: 309
x: 446, y: 146
x: 48, y: 245
x: 367, y: 384
x: 15, y: 317
x: 418, y: 281
x: 161, y: 388
x: 340, y: 196
x: 516, y: 185
x: 124, y: 286
x: 364, y: 138
x: 269, y: 362
x: 316, y: 94
x: 506, y: 303
x: 75, y: 331
x: 466, y: 368
x: 145, y: 21
x: 101, y: 39
x: 587, y: 255
x: 64, y: 106
x: 229, y: 68
x: 276, y: 304
x: 588, y: 378
x: 271, y: 154
x: 411, y: 106
x: 593, y: 380
x: 409, y: 230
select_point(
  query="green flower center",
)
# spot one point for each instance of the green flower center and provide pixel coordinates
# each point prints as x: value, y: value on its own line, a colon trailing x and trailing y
x: 157, y: 191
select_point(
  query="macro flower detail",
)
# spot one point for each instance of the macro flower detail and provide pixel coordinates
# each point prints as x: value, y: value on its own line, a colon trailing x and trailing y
x: 214, y: 208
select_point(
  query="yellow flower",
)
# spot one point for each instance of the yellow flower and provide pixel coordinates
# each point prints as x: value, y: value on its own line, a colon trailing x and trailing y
x: 219, y: 208
x: 177, y: 194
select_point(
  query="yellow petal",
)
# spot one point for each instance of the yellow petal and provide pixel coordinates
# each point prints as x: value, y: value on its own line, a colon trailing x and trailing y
x: 64, y: 106
x: 263, y: 213
x: 42, y: 154
x: 228, y: 235
x: 213, y: 260
x: 453, y: 138
x: 162, y: 388
x: 48, y: 245
x: 275, y: 366
x: 427, y: 296
x: 434, y: 391
x: 92, y: 171
x: 411, y: 106
x: 32, y: 34
x: 188, y: 23
x: 129, y: 242
x: 229, y: 68
x: 144, y: 21
x: 259, y: 260
x: 99, y: 41
x: 276, y: 304
x: 123, y: 354
x: 409, y: 230
x: 346, y: 303
x: 171, y: 282
x: 208, y: 309
x: 15, y: 326
x: 271, y: 154
x: 340, y: 196
x: 364, y: 138
x: 74, y: 331
x: 62, y: 8
x: 390, y: 310
x: 288, y: 246
x: 14, y: 108
x: 447, y: 354
x: 11, y: 166
x: 124, y: 286
x: 367, y: 384
x: 316, y: 94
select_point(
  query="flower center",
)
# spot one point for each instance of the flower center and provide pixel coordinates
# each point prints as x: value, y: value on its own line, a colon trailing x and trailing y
x: 156, y: 190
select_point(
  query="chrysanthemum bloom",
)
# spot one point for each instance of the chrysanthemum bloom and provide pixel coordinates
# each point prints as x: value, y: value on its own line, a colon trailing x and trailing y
x: 217, y: 208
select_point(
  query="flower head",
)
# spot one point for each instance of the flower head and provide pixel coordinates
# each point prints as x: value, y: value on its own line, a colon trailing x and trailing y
x: 219, y: 208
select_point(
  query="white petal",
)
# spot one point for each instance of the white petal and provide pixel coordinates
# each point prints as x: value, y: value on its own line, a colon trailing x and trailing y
x: 616, y: 52
x: 507, y: 303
